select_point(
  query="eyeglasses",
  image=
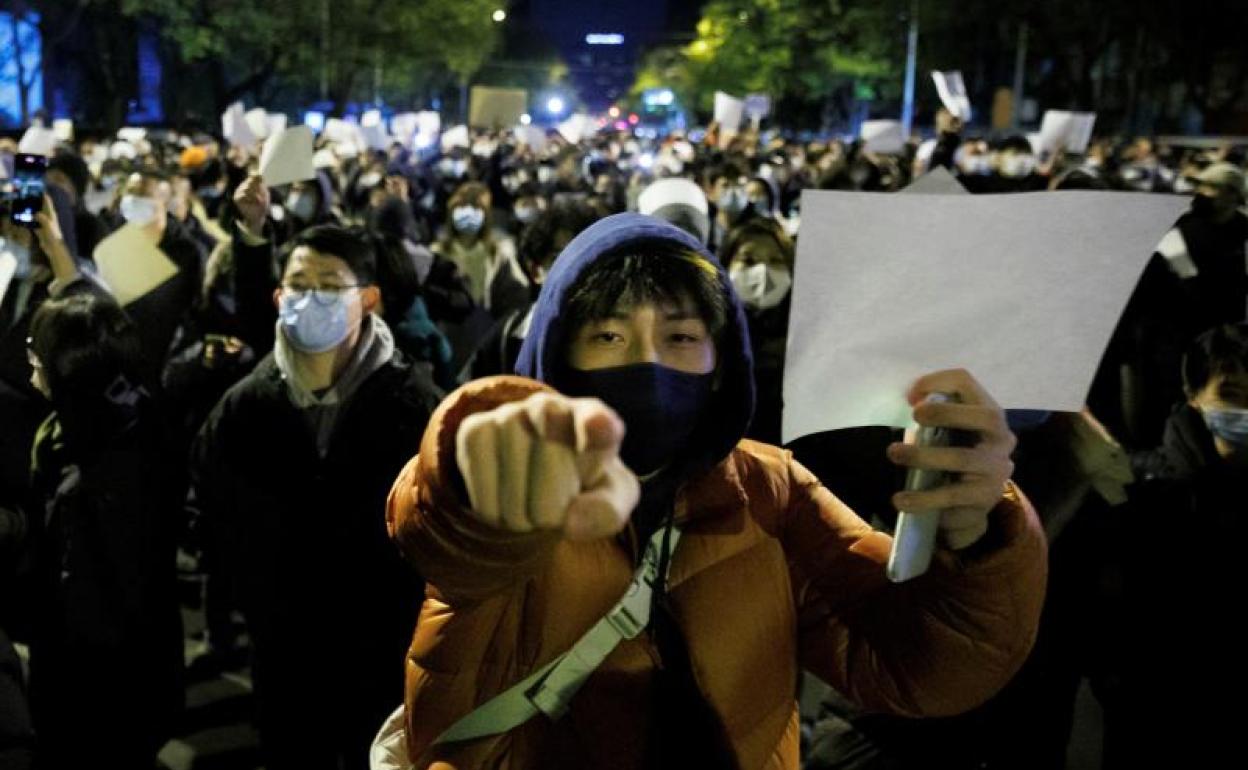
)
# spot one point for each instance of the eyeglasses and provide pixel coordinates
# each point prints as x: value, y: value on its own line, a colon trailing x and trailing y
x: 322, y: 295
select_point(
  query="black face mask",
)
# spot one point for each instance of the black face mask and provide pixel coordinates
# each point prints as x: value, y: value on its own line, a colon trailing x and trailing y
x: 1202, y: 206
x: 661, y: 408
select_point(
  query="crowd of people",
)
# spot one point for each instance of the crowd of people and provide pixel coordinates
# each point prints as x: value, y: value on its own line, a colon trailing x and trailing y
x: 248, y: 417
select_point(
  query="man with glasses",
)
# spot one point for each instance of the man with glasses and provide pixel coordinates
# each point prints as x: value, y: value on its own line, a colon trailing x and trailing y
x: 291, y: 472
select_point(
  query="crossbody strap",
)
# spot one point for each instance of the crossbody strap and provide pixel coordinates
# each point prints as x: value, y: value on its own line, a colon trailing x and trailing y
x: 550, y: 689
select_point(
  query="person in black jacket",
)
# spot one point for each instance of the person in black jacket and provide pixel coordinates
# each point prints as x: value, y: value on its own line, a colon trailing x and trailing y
x: 291, y: 472
x: 106, y: 646
x: 17, y: 737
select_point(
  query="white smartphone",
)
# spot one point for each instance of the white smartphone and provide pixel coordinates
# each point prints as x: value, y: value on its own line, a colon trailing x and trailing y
x: 914, y: 539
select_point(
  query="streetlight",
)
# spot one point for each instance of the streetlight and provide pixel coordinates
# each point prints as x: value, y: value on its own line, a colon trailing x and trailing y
x: 499, y: 16
x: 526, y: 119
x: 554, y: 105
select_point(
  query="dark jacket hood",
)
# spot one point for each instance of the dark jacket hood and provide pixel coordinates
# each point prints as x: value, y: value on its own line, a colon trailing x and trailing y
x: 541, y: 355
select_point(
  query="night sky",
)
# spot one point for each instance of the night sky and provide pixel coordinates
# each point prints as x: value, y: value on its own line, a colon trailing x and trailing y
x: 603, y: 73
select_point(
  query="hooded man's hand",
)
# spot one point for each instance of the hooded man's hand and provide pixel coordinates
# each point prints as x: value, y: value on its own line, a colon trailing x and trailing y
x: 548, y: 462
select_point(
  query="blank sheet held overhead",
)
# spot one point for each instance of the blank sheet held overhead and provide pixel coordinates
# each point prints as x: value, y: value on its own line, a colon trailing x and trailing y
x: 1022, y: 290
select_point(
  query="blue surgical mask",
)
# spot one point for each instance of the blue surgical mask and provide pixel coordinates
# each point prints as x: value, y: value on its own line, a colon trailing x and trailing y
x: 661, y: 408
x: 733, y: 201
x: 315, y: 321
x: 137, y: 210
x: 1230, y: 425
x: 467, y: 219
x: 301, y: 205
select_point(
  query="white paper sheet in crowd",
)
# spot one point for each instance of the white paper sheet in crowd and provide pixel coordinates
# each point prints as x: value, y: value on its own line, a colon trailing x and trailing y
x: 938, y: 181
x: 1069, y: 130
x: 37, y: 141
x: 258, y: 121
x: 235, y: 129
x: 577, y: 127
x: 456, y: 137
x: 375, y: 137
x: 533, y: 137
x: 287, y: 157
x: 757, y: 106
x: 952, y: 91
x: 133, y: 134
x: 277, y: 122
x: 882, y: 137
x: 728, y: 112
x: 131, y: 265
x: 1021, y: 290
x: 404, y: 126
x: 64, y: 129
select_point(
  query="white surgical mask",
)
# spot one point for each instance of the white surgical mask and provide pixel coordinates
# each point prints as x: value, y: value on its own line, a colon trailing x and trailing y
x: 138, y: 210
x: 467, y: 219
x: 525, y: 214
x: 761, y: 286
x: 301, y: 205
x: 315, y: 321
x: 1017, y: 166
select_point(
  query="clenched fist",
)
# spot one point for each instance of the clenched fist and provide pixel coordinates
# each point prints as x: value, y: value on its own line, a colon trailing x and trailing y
x: 548, y: 462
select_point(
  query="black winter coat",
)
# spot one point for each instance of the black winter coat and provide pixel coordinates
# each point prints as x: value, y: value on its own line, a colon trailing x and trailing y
x: 329, y: 602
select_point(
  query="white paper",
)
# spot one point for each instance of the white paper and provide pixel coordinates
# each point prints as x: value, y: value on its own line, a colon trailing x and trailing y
x: 882, y: 137
x: 577, y: 127
x: 235, y: 129
x: 728, y: 112
x: 258, y: 121
x: 938, y: 181
x: 132, y: 134
x: 404, y: 126
x: 1070, y: 130
x: 375, y: 137
x: 371, y: 118
x: 952, y: 91
x: 37, y: 141
x: 131, y: 265
x: 287, y: 157
x: 346, y: 137
x: 8, y: 269
x: 64, y: 129
x: 1021, y: 290
x: 757, y: 106
x: 277, y: 123
x: 430, y: 123
x: 534, y: 137
x: 456, y: 137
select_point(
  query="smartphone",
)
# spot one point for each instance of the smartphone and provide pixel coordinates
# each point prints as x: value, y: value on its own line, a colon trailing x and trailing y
x: 28, y: 187
x: 914, y: 539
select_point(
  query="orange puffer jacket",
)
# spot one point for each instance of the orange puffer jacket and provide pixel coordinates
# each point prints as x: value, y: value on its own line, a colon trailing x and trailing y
x: 772, y: 573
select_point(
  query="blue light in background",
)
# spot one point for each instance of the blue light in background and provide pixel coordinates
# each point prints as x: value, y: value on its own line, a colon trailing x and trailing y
x: 31, y: 45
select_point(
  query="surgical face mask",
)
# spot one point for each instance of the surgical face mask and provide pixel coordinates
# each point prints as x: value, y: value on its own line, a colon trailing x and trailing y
x: 661, y: 408
x: 370, y: 180
x: 137, y: 210
x: 977, y: 165
x: 761, y: 286
x: 20, y: 254
x: 301, y: 205
x: 526, y: 214
x: 467, y: 219
x: 732, y: 201
x: 1016, y: 166
x: 1230, y: 425
x: 315, y: 321
x: 761, y: 206
x: 1183, y: 185
x: 545, y: 174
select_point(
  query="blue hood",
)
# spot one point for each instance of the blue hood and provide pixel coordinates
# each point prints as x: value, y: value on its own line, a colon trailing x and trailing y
x: 540, y: 356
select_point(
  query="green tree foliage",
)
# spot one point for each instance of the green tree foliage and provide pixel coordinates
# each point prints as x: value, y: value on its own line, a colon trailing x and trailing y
x: 247, y: 45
